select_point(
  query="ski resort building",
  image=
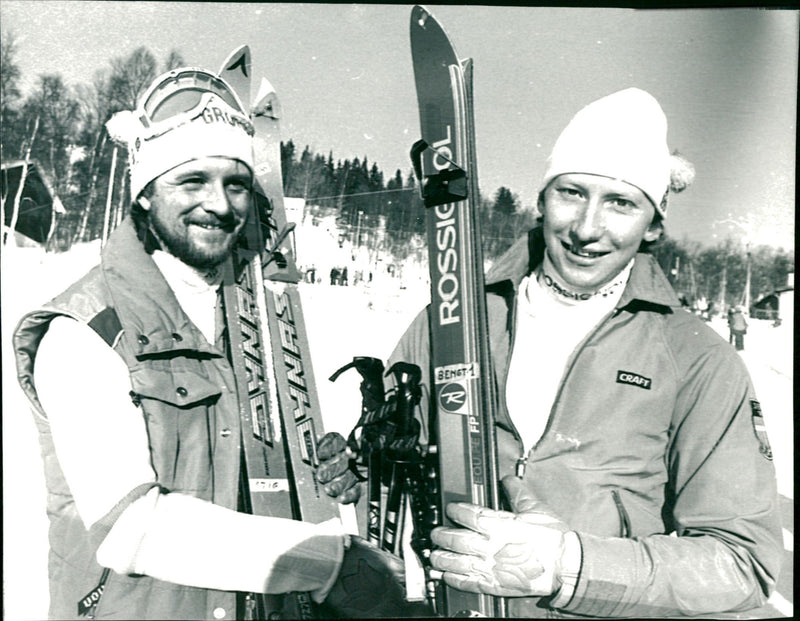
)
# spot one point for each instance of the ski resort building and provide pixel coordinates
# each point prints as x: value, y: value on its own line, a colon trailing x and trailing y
x: 776, y: 305
x: 30, y: 212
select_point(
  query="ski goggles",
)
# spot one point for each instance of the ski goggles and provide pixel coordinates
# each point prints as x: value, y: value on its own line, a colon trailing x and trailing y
x: 181, y: 95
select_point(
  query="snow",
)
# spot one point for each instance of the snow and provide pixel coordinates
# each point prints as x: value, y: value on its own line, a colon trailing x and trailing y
x: 361, y: 320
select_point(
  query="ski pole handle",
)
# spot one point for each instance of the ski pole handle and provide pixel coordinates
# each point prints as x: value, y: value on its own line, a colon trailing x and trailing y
x: 407, y: 378
x: 371, y: 371
x: 372, y: 396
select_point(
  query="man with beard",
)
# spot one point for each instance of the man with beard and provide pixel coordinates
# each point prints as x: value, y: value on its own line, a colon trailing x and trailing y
x: 136, y: 406
x: 630, y: 443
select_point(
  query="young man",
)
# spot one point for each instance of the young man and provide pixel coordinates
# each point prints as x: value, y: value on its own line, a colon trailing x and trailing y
x: 136, y: 404
x: 627, y: 429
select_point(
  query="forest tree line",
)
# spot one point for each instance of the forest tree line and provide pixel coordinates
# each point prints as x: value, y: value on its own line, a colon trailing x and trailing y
x: 62, y: 129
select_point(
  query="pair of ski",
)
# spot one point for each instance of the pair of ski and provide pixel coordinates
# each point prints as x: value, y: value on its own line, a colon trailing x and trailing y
x: 269, y: 351
x: 280, y: 410
x: 462, y: 382
x: 460, y: 462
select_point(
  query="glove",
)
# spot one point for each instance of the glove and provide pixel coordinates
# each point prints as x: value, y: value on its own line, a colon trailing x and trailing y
x: 335, y: 472
x: 371, y: 585
x: 499, y: 552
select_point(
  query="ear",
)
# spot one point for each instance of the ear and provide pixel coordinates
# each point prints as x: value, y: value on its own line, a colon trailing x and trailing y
x: 144, y: 203
x: 540, y: 204
x: 653, y: 231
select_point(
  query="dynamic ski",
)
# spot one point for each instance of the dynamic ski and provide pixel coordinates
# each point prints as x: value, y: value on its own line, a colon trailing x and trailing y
x: 269, y: 350
x: 444, y: 161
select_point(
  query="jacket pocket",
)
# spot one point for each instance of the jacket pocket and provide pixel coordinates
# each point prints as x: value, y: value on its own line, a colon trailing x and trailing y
x: 179, y: 407
x: 180, y: 387
x: 624, y: 518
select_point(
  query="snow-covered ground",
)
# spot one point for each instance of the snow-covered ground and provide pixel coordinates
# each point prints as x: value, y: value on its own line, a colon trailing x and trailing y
x: 363, y: 320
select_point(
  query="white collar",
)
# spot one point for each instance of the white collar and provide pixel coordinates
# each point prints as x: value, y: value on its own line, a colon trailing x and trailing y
x: 179, y: 274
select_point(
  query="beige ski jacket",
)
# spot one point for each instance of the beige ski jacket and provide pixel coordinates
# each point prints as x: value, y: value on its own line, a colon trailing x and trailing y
x: 654, y: 453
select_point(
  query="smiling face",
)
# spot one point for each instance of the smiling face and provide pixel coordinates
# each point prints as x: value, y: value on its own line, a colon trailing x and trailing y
x: 593, y: 226
x: 197, y: 209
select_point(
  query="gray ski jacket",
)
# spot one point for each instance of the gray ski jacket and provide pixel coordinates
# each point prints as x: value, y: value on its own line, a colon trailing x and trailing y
x: 653, y: 453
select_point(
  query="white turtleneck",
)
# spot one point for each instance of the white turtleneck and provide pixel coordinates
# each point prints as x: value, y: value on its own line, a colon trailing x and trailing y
x: 551, y: 322
x: 196, y: 291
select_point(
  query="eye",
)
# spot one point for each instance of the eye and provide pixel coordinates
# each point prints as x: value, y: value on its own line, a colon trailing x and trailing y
x: 622, y: 204
x: 239, y: 186
x: 568, y: 192
x: 193, y: 182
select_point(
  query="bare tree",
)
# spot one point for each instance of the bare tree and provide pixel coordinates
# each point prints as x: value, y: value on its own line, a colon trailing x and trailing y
x: 174, y: 60
x: 9, y: 76
x: 97, y: 106
x: 59, y: 112
x: 130, y: 76
x: 9, y: 95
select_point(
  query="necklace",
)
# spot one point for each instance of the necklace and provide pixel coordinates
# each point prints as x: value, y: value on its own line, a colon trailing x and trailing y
x: 548, y: 278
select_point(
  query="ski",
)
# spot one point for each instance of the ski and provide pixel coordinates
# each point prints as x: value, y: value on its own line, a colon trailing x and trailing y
x: 297, y: 394
x: 462, y: 415
x: 269, y: 351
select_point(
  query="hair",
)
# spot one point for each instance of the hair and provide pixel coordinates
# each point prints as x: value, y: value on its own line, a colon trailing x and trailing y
x: 681, y: 176
x: 141, y: 219
x: 657, y: 222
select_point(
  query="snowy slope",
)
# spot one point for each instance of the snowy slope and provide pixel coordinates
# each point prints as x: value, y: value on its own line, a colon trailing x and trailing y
x: 343, y: 322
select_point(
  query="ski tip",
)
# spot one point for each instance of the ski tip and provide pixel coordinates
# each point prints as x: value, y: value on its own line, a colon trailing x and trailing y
x: 237, y: 61
x: 266, y: 100
x: 419, y: 16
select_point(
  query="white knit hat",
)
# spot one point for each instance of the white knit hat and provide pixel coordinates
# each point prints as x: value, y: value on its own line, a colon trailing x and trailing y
x: 622, y: 136
x: 214, y: 124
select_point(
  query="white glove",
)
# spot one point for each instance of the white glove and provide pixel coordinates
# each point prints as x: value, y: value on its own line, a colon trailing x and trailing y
x: 502, y: 553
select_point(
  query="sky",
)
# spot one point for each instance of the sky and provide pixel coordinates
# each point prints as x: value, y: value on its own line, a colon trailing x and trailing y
x: 726, y: 79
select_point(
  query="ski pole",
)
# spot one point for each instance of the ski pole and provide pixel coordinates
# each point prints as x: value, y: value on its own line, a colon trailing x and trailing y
x: 402, y: 450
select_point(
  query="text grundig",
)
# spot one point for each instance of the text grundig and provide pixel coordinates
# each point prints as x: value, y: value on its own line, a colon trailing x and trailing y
x: 634, y: 379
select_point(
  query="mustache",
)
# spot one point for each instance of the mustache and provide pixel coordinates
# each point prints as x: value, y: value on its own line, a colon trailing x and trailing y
x: 228, y: 222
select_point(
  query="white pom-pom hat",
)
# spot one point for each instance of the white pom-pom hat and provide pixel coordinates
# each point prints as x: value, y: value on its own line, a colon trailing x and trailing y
x: 622, y: 136
x: 186, y: 114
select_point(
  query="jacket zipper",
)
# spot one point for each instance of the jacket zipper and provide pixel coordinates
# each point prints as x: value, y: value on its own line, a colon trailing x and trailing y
x: 571, y: 365
x: 624, y: 518
x: 522, y: 460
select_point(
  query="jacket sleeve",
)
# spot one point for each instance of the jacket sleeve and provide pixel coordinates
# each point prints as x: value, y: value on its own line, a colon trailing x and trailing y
x: 725, y: 549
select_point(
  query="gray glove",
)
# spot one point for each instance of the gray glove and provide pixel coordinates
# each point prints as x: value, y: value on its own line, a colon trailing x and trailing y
x: 335, y: 470
x: 371, y: 585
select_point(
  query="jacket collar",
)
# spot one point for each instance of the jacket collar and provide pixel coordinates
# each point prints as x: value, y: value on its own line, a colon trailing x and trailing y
x: 647, y: 283
x: 147, y: 308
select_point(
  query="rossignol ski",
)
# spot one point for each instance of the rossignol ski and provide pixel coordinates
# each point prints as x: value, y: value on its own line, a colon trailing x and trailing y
x: 462, y: 382
x: 269, y: 351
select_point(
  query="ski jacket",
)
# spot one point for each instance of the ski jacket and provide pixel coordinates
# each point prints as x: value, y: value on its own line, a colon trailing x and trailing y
x: 653, y: 453
x: 738, y: 323
x: 185, y: 389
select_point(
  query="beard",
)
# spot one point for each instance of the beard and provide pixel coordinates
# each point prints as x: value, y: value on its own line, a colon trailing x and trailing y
x: 178, y: 239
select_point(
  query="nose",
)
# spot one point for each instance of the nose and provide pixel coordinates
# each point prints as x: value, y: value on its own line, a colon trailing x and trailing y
x: 588, y: 223
x: 216, y: 200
